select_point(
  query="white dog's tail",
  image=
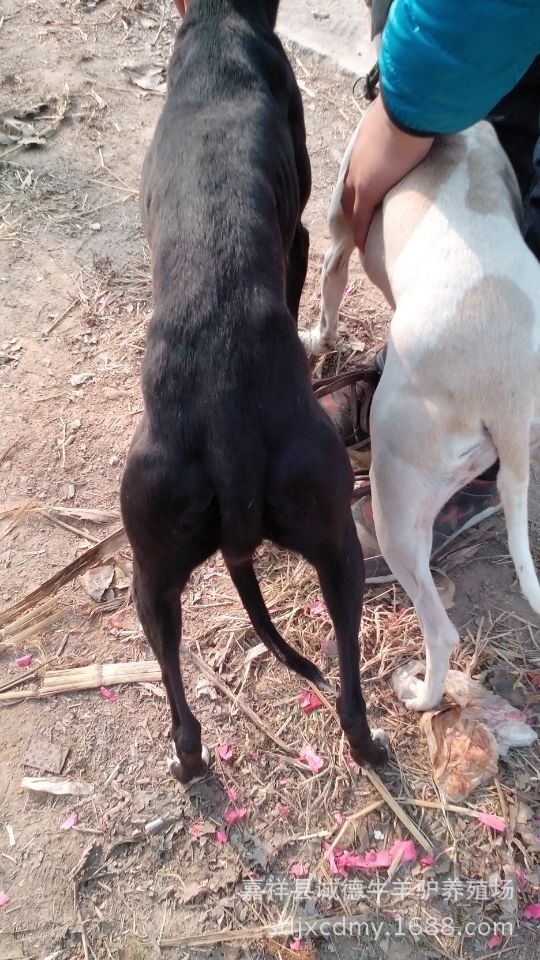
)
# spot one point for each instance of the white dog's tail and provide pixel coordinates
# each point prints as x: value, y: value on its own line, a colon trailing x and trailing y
x: 513, y: 447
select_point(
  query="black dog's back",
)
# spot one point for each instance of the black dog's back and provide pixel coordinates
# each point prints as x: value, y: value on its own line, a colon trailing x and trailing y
x: 221, y: 197
x: 232, y: 447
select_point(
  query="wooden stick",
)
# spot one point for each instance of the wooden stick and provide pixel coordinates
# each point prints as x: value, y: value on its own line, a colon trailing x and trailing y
x: 90, y: 558
x: 445, y: 807
x: 283, y: 928
x: 369, y: 808
x: 213, y: 677
x: 5, y: 453
x: 398, y: 810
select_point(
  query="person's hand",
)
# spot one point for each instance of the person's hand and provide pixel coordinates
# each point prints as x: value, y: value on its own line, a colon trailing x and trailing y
x: 382, y: 155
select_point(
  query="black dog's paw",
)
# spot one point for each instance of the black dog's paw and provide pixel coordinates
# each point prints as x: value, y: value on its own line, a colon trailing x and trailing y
x: 375, y: 752
x: 188, y: 770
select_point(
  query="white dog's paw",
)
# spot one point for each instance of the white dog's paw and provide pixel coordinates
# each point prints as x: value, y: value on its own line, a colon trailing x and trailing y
x: 315, y: 343
x: 424, y: 699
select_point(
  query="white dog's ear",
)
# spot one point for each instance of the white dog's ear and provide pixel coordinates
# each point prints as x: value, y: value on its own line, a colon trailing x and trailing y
x: 379, y: 15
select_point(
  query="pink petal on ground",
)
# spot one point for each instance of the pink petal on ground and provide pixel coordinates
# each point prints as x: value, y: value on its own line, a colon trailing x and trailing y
x: 282, y: 810
x: 308, y: 701
x: 225, y: 752
x: 490, y: 820
x: 24, y: 661
x: 299, y: 870
x: 316, y: 609
x: 494, y: 941
x: 521, y: 877
x: 377, y: 858
x: 221, y: 837
x: 407, y: 850
x: 338, y: 818
x: 427, y: 861
x: 4, y: 898
x: 309, y: 757
x: 531, y: 911
x: 352, y: 764
x: 196, y: 829
x: 351, y: 861
x: 296, y: 946
x: 107, y: 694
x: 234, y: 814
x: 71, y: 820
x: 534, y: 678
x: 117, y: 620
x: 232, y: 794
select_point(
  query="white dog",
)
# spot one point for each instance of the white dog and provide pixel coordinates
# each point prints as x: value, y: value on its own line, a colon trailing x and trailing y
x: 461, y: 381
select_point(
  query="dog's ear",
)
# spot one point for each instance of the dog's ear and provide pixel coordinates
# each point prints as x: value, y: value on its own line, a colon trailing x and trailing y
x: 181, y: 6
x: 379, y: 15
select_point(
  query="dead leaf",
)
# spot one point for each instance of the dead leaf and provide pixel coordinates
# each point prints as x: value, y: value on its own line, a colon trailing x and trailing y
x: 147, y: 76
x: 121, y: 581
x: 78, y: 379
x: 257, y: 651
x: 446, y: 587
x: 205, y: 689
x: 96, y: 581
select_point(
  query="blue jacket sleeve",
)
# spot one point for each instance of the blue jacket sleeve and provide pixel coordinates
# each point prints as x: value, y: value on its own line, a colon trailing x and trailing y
x: 445, y: 63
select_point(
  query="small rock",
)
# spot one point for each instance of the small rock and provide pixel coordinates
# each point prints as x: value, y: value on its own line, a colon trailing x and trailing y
x: 78, y: 379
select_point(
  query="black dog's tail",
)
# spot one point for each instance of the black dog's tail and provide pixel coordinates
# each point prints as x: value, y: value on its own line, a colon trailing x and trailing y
x: 245, y: 581
x: 238, y: 472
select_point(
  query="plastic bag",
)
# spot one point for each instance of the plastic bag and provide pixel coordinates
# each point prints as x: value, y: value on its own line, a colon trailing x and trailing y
x: 465, y: 740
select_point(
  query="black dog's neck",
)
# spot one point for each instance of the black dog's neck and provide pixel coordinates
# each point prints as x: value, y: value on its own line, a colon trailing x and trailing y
x: 263, y: 12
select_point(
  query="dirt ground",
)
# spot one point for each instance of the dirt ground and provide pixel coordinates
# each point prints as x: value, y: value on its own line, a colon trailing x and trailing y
x: 74, y: 302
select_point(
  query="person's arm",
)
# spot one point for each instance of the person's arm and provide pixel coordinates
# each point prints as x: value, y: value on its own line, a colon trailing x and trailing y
x: 382, y: 155
x: 443, y: 65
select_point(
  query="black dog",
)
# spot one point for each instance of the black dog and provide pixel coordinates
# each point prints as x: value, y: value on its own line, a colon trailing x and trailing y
x: 233, y: 448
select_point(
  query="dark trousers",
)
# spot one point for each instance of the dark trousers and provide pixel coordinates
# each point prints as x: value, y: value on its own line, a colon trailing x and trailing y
x: 517, y: 122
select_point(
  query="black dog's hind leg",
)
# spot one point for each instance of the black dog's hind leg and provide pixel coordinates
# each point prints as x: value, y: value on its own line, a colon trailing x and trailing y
x: 159, y: 610
x: 245, y: 581
x: 297, y: 269
x: 340, y: 569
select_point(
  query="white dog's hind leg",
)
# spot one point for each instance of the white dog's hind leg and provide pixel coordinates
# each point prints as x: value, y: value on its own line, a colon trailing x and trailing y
x: 405, y: 504
x: 322, y: 338
x: 513, y: 484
